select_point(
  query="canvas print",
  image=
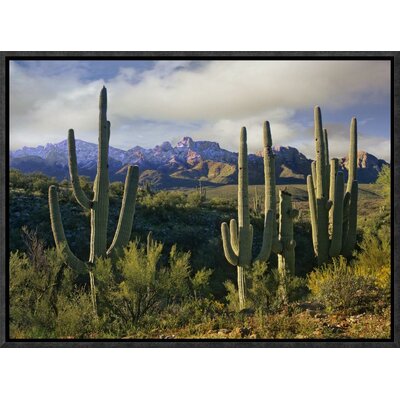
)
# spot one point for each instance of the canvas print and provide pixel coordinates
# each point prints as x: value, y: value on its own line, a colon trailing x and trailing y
x: 200, y: 199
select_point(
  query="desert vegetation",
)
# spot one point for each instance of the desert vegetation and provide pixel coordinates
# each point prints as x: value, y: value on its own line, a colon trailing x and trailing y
x: 307, y: 264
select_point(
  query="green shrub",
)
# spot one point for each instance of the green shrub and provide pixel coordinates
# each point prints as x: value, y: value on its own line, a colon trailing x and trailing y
x: 35, y: 284
x: 194, y: 199
x: 138, y: 290
x: 75, y: 317
x: 116, y: 189
x: 374, y: 259
x: 201, y: 283
x: 165, y: 200
x: 140, y: 285
x: 35, y: 182
x: 340, y: 287
x: 384, y: 182
x: 263, y: 289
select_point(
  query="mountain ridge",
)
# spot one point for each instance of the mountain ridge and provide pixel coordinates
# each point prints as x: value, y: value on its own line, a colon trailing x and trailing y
x: 182, y: 165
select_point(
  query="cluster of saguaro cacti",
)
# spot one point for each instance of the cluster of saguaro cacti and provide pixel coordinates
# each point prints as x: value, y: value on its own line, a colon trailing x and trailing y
x: 333, y: 212
x: 98, y: 205
x: 238, y: 237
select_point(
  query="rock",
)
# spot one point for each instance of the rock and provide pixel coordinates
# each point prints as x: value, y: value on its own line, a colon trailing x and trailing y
x: 166, y: 337
x: 244, y: 331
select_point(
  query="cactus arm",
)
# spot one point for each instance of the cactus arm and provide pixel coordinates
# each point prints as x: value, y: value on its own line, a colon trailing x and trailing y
x: 230, y: 255
x: 326, y: 148
x: 80, y: 195
x: 314, y: 174
x: 346, y: 207
x: 270, y: 186
x: 322, y: 207
x: 127, y: 212
x: 320, y: 154
x: 313, y: 212
x: 269, y: 171
x: 286, y: 258
x: 59, y: 235
x: 352, y: 165
x: 233, y: 230
x: 322, y: 231
x: 243, y: 195
x: 327, y: 166
x: 266, y: 246
x: 334, y: 167
x: 243, y: 203
x: 99, y: 211
x: 337, y: 216
x: 351, y: 196
x: 348, y: 245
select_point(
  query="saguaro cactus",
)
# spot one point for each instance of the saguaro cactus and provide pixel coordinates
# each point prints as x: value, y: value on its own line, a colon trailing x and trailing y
x: 333, y: 216
x: 99, y: 204
x: 286, y: 255
x: 238, y: 243
x: 202, y: 192
x: 238, y: 247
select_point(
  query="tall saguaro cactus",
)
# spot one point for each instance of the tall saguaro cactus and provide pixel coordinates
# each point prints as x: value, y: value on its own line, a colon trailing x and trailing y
x: 238, y: 242
x: 286, y: 257
x: 333, y: 213
x: 238, y: 245
x: 99, y: 204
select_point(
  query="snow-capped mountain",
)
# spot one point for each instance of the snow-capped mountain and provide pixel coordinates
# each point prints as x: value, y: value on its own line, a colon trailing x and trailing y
x: 180, y: 165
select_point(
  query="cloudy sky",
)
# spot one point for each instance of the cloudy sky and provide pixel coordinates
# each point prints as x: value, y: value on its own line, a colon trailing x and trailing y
x: 154, y: 101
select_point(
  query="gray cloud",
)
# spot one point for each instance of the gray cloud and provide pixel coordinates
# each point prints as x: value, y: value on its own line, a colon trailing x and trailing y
x: 209, y: 100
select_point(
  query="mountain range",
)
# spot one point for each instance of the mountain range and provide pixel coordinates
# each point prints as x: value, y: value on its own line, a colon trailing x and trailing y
x: 182, y: 165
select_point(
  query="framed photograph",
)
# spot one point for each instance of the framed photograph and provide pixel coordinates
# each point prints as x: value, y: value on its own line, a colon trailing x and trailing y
x: 214, y: 199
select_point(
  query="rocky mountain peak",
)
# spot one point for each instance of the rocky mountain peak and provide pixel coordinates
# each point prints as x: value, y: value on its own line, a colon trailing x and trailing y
x: 185, y: 142
x: 365, y: 160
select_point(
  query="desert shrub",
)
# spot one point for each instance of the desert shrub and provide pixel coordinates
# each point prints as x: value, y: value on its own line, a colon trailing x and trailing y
x: 194, y: 199
x: 116, y: 189
x: 201, y: 283
x: 190, y: 316
x: 232, y: 297
x: 384, y: 182
x: 374, y: 259
x: 137, y: 292
x: 45, y: 299
x: 165, y: 200
x: 340, y: 287
x: 176, y: 276
x: 75, y: 317
x: 264, y: 290
x: 35, y: 182
x: 35, y: 284
x: 297, y: 288
x: 86, y: 184
x: 363, y: 284
x: 225, y: 205
x: 140, y: 285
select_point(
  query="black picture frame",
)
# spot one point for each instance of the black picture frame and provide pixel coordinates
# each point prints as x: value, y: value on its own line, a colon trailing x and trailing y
x: 394, y: 58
